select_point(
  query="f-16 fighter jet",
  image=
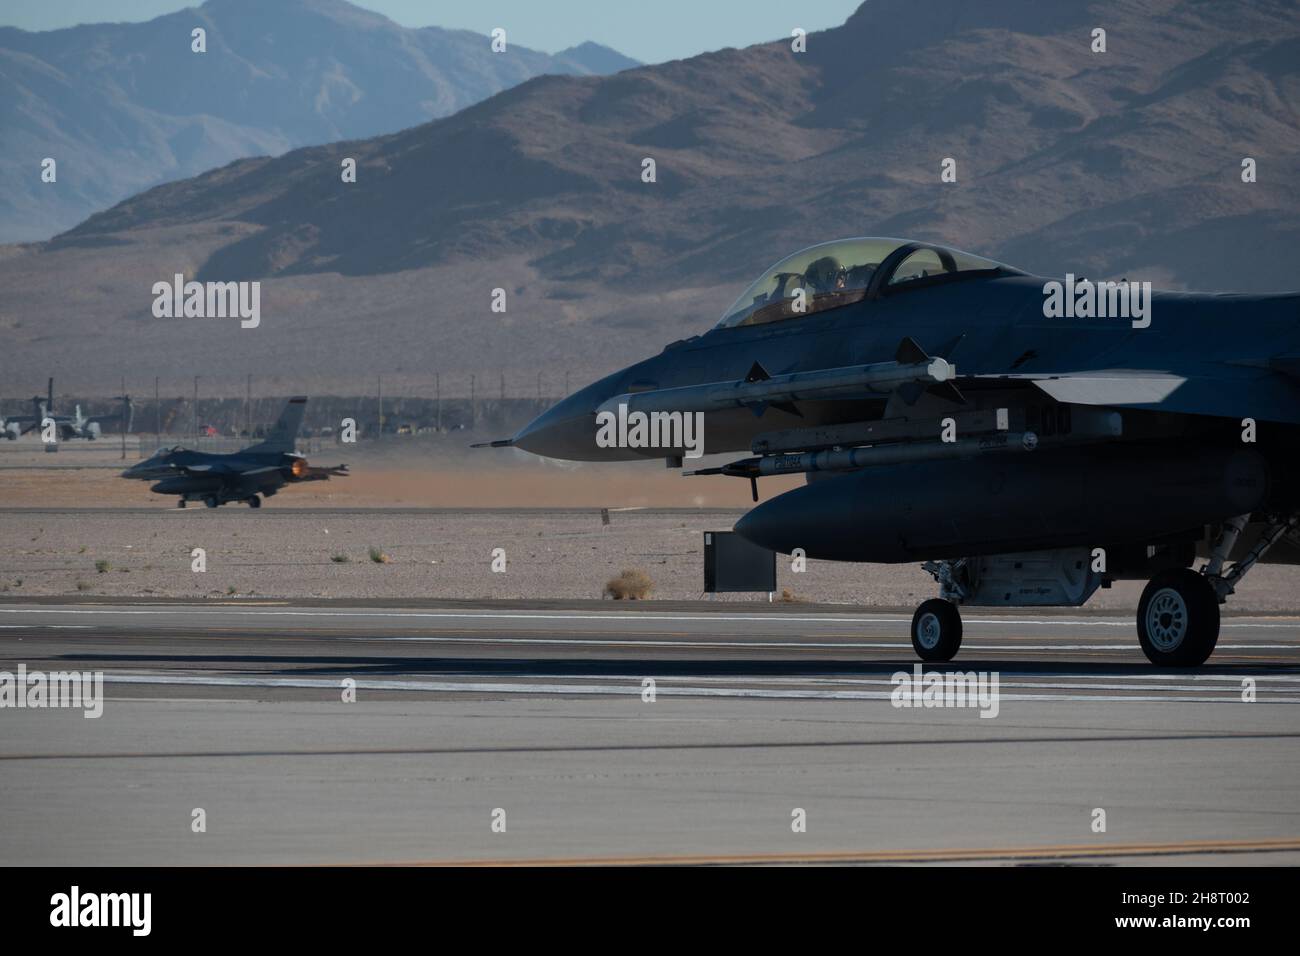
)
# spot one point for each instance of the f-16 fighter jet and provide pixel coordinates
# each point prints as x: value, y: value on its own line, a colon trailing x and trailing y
x: 253, y: 473
x: 1028, y: 441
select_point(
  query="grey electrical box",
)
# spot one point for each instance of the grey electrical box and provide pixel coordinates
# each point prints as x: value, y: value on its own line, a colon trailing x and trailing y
x: 733, y: 564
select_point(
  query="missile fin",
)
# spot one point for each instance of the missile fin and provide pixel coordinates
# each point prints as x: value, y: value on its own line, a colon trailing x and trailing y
x: 911, y: 391
x: 948, y: 391
x: 909, y: 353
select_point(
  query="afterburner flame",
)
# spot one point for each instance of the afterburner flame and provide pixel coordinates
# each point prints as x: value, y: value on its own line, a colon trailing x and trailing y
x: 299, y: 467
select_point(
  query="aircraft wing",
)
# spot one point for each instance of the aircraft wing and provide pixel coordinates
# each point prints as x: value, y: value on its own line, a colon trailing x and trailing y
x: 212, y: 468
x: 1264, y: 392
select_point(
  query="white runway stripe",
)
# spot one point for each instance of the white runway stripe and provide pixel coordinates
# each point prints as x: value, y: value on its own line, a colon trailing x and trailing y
x: 790, y: 645
x: 502, y: 687
x: 49, y: 627
x: 1091, y: 681
x: 226, y: 611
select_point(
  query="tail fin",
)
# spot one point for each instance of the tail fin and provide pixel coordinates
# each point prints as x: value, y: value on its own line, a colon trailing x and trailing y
x: 285, y: 431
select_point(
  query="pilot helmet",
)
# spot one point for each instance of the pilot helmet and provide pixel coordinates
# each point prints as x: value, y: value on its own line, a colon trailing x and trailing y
x: 825, y: 274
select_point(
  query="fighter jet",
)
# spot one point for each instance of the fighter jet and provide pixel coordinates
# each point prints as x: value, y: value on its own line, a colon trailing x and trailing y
x: 1027, y: 440
x: 256, y: 472
x: 69, y: 426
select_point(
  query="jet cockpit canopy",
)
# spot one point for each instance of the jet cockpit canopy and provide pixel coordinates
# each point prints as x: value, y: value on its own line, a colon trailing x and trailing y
x: 161, y: 452
x: 832, y: 274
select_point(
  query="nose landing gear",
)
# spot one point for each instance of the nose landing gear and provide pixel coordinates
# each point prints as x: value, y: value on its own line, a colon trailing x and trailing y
x: 936, y: 630
x: 1178, y: 616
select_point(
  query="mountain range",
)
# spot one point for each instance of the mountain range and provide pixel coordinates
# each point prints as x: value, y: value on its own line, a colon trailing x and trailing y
x: 1126, y: 162
x: 125, y: 106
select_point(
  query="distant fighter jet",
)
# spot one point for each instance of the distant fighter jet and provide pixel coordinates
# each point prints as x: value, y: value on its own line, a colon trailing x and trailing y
x: 258, y: 470
x: 69, y: 426
x: 1030, y: 441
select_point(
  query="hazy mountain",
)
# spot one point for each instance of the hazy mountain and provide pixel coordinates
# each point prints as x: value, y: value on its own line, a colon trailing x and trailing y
x: 1126, y: 162
x: 595, y: 59
x: 122, y: 107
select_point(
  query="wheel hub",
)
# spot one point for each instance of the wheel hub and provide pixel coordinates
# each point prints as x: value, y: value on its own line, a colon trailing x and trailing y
x: 1167, y: 619
x: 928, y: 631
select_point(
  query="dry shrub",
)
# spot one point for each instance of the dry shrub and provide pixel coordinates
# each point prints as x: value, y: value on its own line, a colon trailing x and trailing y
x: 632, y: 584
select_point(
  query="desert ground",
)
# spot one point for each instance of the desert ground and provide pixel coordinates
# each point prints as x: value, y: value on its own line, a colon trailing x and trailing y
x: 432, y: 512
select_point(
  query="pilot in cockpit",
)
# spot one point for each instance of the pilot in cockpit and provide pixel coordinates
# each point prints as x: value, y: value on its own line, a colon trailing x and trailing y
x: 825, y: 275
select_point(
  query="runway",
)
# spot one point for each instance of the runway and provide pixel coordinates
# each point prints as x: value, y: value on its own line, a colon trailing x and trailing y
x: 687, y: 733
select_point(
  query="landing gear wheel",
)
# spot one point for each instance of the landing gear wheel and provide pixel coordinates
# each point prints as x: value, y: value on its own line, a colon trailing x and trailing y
x: 936, y: 630
x: 254, y: 502
x: 1178, y: 619
x: 210, y: 501
x: 181, y: 503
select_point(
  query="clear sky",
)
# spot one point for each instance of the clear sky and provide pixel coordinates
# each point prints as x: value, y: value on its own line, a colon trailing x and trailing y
x: 649, y: 30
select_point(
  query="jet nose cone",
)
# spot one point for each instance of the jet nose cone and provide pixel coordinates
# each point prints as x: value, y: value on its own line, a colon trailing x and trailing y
x: 568, y: 429
x: 565, y: 430
x: 146, y: 469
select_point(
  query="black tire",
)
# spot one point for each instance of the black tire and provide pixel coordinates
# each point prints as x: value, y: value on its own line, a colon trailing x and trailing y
x: 211, y: 501
x: 936, y: 630
x: 254, y: 502
x: 1178, y: 619
x: 181, y: 503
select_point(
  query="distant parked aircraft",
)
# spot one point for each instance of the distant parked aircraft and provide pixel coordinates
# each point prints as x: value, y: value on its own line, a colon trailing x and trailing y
x: 71, y: 426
